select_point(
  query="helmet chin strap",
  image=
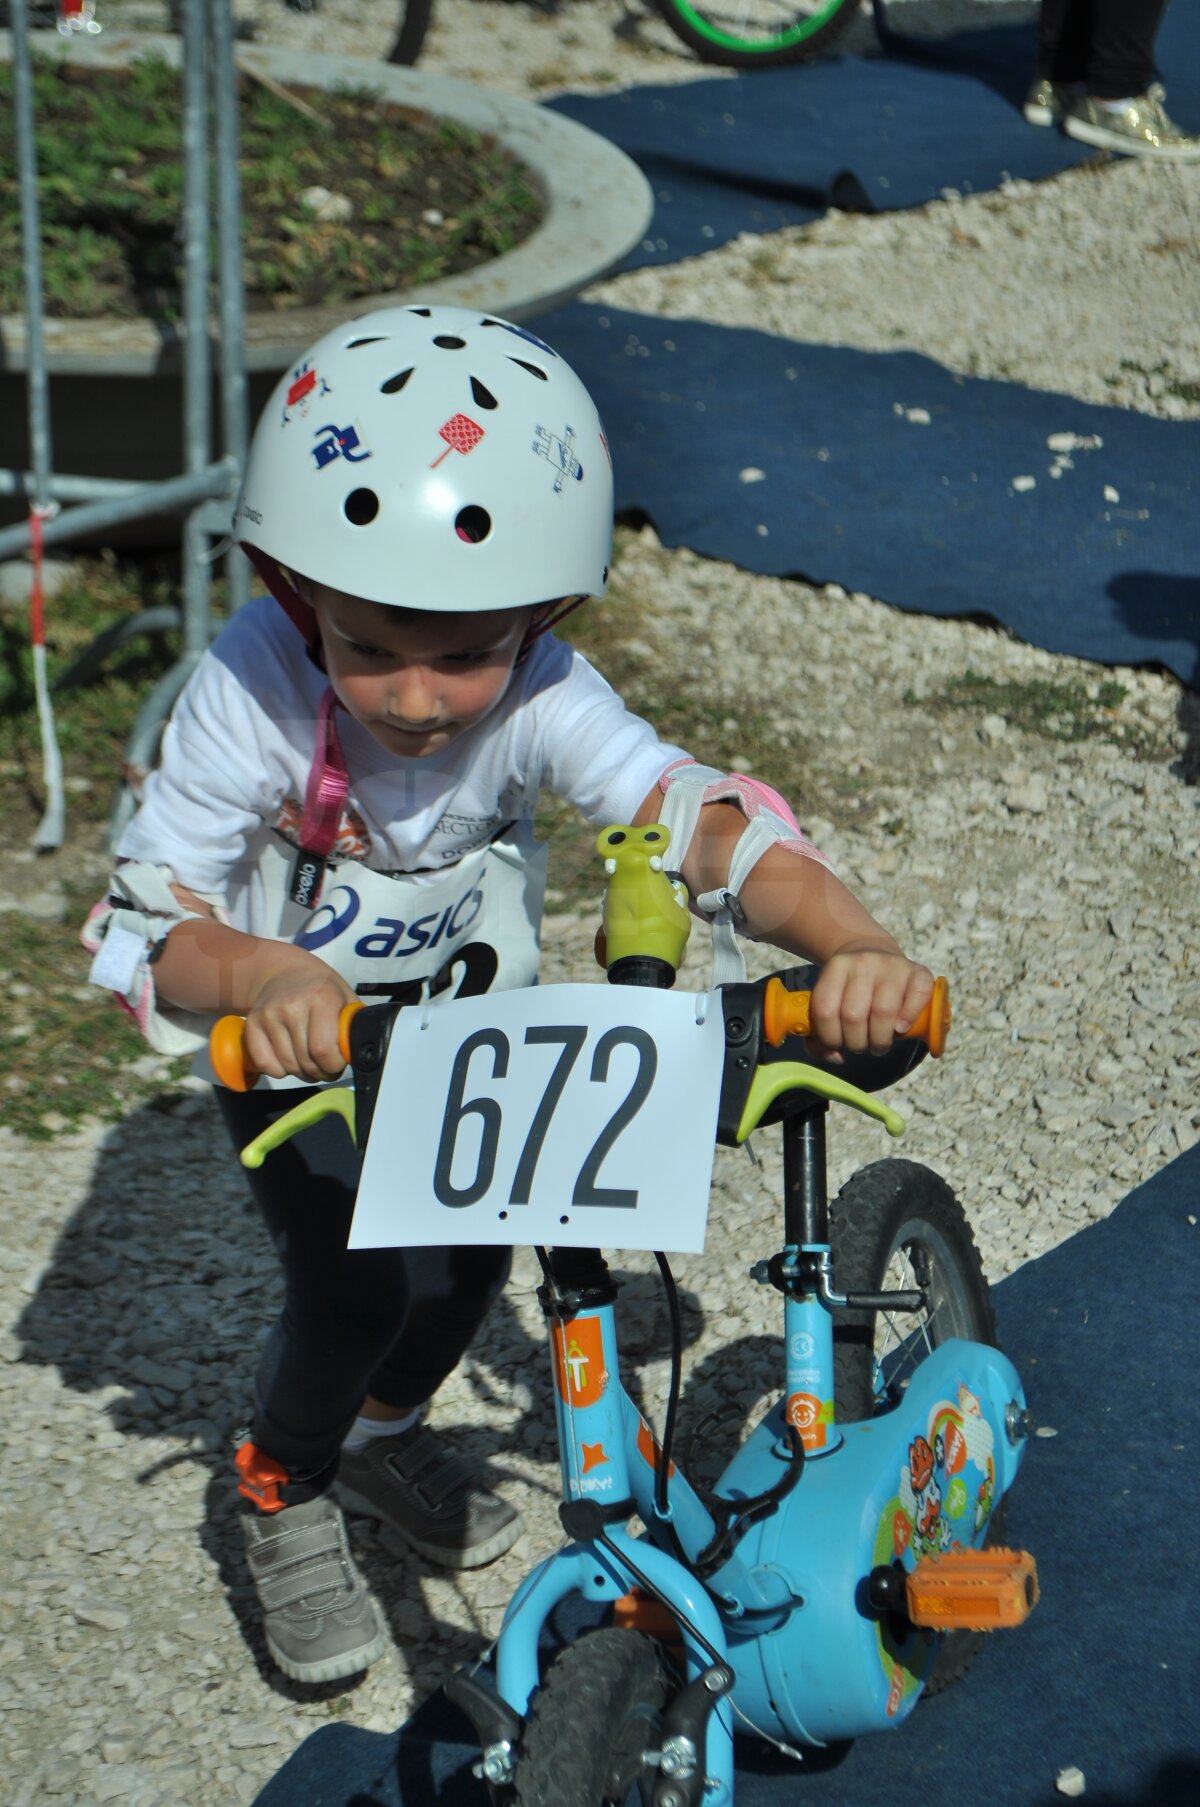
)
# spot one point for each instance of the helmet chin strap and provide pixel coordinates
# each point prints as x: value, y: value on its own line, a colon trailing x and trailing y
x: 298, y: 612
x: 552, y: 614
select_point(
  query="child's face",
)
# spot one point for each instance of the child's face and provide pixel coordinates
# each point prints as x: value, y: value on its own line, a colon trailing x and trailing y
x: 414, y: 680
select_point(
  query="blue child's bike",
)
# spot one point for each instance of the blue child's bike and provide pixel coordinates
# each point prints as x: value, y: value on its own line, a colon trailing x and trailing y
x: 846, y: 1561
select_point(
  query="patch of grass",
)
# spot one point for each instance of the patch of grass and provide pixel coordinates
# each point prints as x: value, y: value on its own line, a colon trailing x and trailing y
x: 1067, y: 710
x: 426, y: 198
x: 67, y: 1050
x: 93, y: 719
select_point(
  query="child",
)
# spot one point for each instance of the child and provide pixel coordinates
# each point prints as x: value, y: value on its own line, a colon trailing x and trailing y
x: 343, y: 808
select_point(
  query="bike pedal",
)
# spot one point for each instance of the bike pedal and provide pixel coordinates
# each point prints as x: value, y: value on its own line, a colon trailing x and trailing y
x: 972, y: 1590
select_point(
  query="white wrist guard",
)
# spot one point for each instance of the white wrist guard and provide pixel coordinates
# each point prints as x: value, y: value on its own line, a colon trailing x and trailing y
x: 686, y: 788
x: 122, y: 933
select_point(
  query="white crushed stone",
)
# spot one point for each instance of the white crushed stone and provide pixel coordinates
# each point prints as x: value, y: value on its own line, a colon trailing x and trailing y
x: 1053, y: 882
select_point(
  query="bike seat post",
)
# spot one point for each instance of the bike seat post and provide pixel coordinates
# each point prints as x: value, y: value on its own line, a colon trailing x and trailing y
x: 805, y: 1186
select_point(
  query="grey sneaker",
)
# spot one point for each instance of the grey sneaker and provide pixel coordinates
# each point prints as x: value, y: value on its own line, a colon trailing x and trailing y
x: 1046, y: 101
x: 429, y: 1495
x: 1140, y: 128
x: 320, y: 1622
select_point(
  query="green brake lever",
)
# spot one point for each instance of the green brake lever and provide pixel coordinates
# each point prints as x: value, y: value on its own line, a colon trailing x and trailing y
x: 772, y: 1081
x: 337, y: 1100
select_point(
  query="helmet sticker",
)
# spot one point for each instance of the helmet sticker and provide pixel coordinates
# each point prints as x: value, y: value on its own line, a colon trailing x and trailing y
x: 342, y: 442
x: 519, y: 332
x: 306, y: 382
x: 461, y: 433
x: 559, y: 450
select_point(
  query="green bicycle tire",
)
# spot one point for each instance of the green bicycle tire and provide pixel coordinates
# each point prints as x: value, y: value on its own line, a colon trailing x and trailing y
x: 706, y: 26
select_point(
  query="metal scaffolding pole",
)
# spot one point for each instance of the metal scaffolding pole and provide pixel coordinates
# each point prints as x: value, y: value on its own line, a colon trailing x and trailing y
x: 208, y: 82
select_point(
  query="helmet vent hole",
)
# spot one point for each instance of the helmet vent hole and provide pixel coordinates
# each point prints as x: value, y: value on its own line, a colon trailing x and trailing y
x: 374, y: 339
x: 449, y: 342
x: 395, y: 384
x: 483, y: 396
x: 422, y: 311
x: 360, y: 507
x: 472, y: 523
x: 531, y: 368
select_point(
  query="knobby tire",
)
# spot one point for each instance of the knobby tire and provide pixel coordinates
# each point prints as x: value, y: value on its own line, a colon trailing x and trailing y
x: 595, y: 1715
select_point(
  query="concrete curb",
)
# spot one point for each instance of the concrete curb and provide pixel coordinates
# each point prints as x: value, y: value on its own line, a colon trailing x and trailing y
x: 598, y: 207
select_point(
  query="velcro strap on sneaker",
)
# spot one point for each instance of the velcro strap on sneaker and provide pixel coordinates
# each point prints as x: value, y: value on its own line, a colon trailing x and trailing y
x: 295, y: 1563
x: 436, y: 1476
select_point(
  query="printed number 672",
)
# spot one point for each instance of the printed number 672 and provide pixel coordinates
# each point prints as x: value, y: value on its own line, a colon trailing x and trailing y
x: 569, y: 1039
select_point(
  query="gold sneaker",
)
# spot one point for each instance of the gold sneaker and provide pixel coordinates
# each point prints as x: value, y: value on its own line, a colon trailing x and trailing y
x: 1140, y: 128
x: 1046, y: 102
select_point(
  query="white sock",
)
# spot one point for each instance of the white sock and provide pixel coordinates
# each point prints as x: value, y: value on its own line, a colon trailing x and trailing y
x: 364, y: 1430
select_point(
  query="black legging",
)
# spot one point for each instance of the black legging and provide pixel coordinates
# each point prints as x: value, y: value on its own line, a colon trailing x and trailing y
x: 389, y: 1322
x: 1107, y: 45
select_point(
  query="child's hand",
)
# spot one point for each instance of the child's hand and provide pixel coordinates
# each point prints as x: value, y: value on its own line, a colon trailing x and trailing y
x: 866, y: 996
x: 292, y: 1023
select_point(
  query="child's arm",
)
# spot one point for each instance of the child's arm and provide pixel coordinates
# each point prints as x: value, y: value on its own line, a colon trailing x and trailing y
x: 868, y: 990
x: 290, y: 999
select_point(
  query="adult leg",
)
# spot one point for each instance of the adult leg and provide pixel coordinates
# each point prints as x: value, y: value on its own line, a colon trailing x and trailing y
x: 1120, y: 56
x: 1064, y: 32
x: 1122, y: 107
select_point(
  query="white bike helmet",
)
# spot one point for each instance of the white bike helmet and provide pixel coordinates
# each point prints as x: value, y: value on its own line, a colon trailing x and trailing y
x: 431, y: 458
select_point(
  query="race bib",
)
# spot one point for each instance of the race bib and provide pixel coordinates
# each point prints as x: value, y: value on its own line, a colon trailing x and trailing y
x: 576, y: 1115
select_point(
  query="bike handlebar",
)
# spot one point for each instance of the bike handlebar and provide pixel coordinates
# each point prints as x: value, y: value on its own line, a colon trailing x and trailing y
x: 227, y: 1048
x: 787, y: 1013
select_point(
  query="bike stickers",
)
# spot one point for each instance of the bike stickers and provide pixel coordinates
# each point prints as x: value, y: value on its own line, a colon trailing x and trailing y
x: 812, y: 1417
x: 559, y: 450
x: 337, y: 442
x: 306, y: 382
x: 944, y: 1498
x: 461, y: 433
x: 594, y: 1456
x: 578, y: 1352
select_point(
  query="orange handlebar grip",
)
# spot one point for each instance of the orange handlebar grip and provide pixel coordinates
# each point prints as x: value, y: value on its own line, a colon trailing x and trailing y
x: 786, y: 1013
x: 226, y: 1047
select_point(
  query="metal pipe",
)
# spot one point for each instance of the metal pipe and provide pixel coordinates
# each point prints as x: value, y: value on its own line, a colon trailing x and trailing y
x: 66, y: 488
x: 36, y: 381
x: 197, y: 360
x: 149, y: 498
x: 234, y: 405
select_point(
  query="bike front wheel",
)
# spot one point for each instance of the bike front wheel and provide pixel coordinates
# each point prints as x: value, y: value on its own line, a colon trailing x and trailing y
x: 593, y: 1721
x: 758, y: 34
x: 895, y: 1227
x: 414, y: 23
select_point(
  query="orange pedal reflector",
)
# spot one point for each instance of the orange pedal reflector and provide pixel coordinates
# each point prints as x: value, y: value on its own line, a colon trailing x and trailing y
x: 637, y: 1611
x: 972, y: 1590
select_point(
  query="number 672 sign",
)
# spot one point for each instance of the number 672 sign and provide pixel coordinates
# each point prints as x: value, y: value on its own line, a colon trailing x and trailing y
x: 581, y: 1115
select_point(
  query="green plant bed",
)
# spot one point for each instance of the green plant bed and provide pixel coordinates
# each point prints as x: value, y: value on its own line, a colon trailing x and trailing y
x: 413, y: 198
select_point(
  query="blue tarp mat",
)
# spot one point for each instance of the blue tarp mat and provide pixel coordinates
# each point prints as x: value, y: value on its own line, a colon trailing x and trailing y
x: 777, y: 147
x: 919, y: 514
x: 1106, y: 1674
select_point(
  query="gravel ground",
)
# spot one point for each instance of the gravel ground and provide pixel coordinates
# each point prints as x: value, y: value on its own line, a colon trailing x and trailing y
x: 1053, y: 880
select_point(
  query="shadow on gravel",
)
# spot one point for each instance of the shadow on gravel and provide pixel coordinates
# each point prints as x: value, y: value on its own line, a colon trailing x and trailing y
x: 158, y: 1295
x: 1162, y: 607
